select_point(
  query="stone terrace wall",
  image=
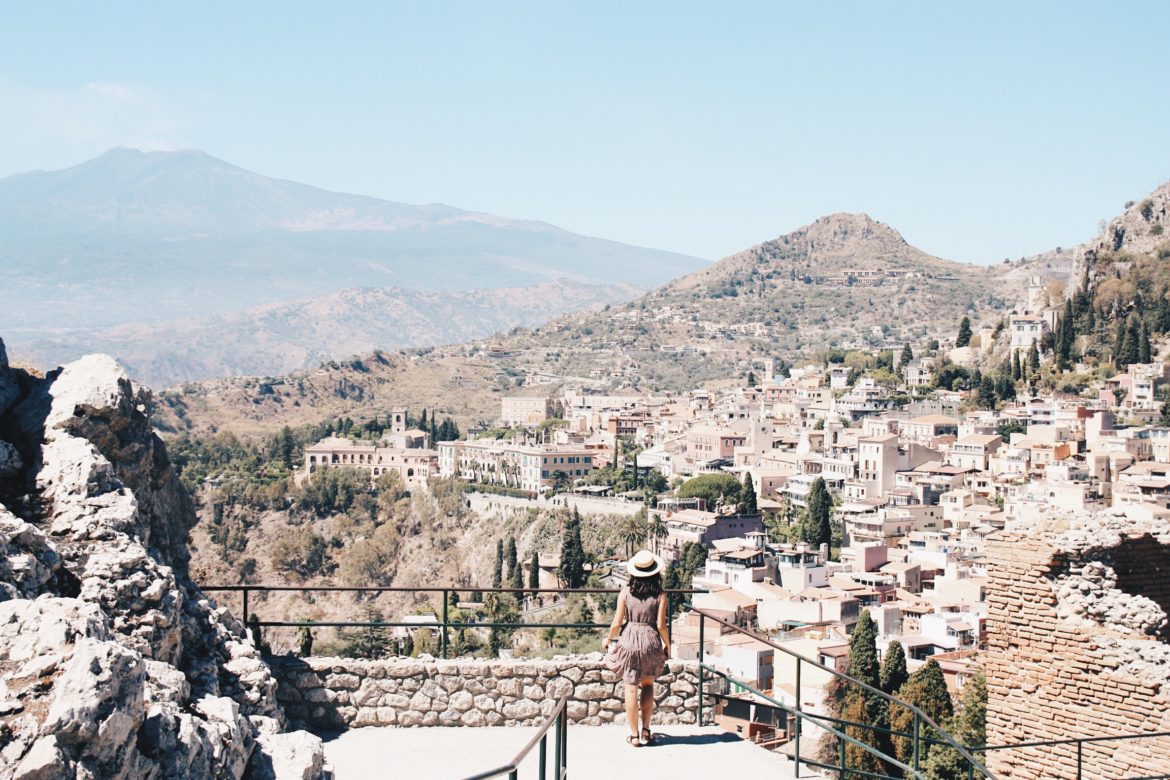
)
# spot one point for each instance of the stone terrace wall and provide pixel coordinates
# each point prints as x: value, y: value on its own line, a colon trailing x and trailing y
x: 329, y: 694
x: 1077, y: 640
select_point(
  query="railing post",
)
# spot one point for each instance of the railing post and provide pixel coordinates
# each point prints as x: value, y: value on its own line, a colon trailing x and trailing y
x: 796, y: 723
x: 1079, y: 746
x: 245, y: 605
x: 444, y: 637
x: 699, y: 698
x: 841, y: 752
x: 540, y: 766
x: 916, y: 756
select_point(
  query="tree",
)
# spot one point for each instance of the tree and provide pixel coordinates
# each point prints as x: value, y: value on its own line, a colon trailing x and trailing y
x: 534, y: 572
x: 1145, y: 350
x: 927, y: 690
x: 1033, y: 360
x: 633, y: 532
x: 365, y: 641
x: 712, y: 488
x: 906, y: 357
x: 863, y: 661
x: 572, y: 570
x: 816, y: 529
x: 657, y: 529
x: 964, y: 337
x: 747, y: 497
x: 1017, y: 369
x: 893, y: 675
x: 751, y: 379
x: 968, y: 727
x: 511, y: 563
x: 498, y: 571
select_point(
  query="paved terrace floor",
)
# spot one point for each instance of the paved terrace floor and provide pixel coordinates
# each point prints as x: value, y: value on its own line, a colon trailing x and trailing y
x: 595, y: 753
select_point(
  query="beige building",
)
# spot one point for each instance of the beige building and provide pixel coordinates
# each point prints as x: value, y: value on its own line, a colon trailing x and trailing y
x: 518, y: 410
x: 405, y: 453
x: 534, y: 468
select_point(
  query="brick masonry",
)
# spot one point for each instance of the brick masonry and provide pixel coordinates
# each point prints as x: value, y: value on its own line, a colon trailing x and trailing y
x: 1077, y: 635
x: 331, y: 694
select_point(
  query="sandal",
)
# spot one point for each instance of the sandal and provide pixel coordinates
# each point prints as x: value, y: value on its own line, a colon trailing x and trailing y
x: 647, y: 737
x: 634, y: 741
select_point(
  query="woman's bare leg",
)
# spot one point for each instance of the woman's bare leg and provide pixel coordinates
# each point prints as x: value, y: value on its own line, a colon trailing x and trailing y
x: 647, y: 701
x: 632, y: 708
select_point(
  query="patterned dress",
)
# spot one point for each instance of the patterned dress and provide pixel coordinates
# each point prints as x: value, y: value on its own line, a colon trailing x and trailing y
x: 639, y: 652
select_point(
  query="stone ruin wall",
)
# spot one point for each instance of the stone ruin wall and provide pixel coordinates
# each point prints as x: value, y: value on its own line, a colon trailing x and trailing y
x: 331, y: 694
x: 1078, y: 647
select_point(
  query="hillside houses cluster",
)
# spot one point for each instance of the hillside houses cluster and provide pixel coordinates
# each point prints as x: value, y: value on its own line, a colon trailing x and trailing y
x: 918, y: 486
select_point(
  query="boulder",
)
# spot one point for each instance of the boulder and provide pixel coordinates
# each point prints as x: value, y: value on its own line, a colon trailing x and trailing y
x: 297, y: 755
x: 112, y: 663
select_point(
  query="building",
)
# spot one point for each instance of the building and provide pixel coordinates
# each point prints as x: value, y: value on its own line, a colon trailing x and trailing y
x: 522, y: 410
x: 404, y: 453
x: 532, y: 468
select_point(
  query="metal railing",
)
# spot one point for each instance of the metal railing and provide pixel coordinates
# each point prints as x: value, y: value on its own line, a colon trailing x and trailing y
x: 1080, y: 743
x: 443, y: 623
x: 920, y: 736
x: 558, y: 717
x: 837, y: 726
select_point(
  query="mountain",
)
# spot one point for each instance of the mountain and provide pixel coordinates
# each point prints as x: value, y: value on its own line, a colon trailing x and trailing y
x: 277, y: 339
x: 150, y: 237
x: 844, y: 281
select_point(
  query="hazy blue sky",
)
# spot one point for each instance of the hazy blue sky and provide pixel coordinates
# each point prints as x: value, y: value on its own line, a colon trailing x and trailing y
x: 980, y: 130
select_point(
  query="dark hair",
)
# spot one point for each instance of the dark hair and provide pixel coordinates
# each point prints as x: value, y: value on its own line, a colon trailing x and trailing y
x: 646, y: 587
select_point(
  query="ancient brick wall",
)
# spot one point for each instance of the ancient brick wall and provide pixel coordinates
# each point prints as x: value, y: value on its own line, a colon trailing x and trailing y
x: 1077, y: 647
x: 329, y: 694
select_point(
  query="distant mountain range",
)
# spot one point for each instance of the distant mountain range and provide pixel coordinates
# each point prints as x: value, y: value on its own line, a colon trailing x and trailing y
x: 280, y: 338
x: 845, y: 280
x: 149, y: 238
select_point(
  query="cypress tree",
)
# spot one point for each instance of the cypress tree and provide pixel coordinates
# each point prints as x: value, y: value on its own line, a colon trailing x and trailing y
x: 927, y: 690
x: 498, y: 571
x: 863, y: 661
x: 964, y: 337
x: 534, y: 572
x: 1119, y: 345
x: 1145, y: 349
x: 572, y: 570
x: 968, y: 727
x: 1017, y: 370
x: 1033, y: 360
x: 894, y: 674
x: 747, y: 497
x: 510, y: 561
x: 518, y: 579
x: 906, y: 357
x: 1130, y: 345
x: 816, y: 528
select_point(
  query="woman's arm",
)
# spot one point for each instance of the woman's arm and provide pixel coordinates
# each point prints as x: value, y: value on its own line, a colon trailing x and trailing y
x: 662, y: 632
x: 619, y: 617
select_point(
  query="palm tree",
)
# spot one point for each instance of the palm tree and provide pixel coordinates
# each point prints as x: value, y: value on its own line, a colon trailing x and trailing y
x: 633, y: 533
x: 658, y: 530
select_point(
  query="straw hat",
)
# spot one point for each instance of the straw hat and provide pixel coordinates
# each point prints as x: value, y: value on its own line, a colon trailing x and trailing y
x: 644, y: 564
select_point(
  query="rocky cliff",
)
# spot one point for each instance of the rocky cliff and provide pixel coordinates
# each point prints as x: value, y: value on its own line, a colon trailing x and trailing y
x: 112, y: 663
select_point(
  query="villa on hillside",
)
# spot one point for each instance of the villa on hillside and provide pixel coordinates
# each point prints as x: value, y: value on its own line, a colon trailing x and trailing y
x: 534, y: 468
x: 406, y: 452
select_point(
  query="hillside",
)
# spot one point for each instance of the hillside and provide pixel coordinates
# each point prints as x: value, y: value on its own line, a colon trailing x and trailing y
x: 278, y: 339
x: 467, y: 389
x: 135, y: 237
x: 845, y: 280
x: 789, y: 298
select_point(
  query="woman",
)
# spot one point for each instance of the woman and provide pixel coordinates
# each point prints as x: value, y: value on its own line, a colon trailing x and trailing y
x: 640, y: 644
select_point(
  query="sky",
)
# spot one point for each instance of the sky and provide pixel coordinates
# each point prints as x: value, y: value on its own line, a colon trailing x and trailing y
x: 981, y: 131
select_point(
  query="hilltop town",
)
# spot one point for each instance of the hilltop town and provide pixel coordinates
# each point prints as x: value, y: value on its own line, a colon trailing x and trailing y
x: 921, y: 458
